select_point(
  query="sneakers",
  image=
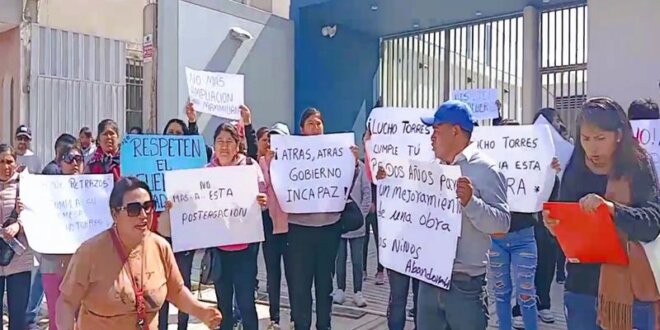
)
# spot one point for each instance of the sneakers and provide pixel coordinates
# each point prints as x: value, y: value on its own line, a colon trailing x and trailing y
x: 380, y: 278
x: 546, y: 316
x: 518, y: 323
x: 273, y: 326
x: 338, y: 297
x: 359, y: 300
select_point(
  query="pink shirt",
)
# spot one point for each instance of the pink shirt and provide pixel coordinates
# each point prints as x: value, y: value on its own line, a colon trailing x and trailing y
x: 240, y: 161
x: 280, y: 218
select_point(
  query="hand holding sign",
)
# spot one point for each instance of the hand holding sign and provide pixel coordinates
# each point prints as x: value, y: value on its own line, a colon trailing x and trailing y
x: 464, y: 190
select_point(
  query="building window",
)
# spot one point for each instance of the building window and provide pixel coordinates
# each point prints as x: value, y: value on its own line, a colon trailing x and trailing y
x: 134, y: 81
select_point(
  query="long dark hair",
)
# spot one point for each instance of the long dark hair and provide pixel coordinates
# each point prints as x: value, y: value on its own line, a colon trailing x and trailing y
x: 233, y: 131
x: 554, y: 118
x: 606, y: 114
x: 177, y: 121
x: 311, y: 111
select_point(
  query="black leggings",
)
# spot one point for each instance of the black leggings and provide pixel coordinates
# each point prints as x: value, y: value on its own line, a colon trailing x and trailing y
x: 18, y: 293
x: 185, y: 262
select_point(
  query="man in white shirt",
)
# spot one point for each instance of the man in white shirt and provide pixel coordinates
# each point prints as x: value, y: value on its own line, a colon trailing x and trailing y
x: 25, y: 157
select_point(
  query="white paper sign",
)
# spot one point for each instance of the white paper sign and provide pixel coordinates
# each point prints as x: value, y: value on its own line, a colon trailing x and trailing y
x: 397, y: 135
x: 312, y: 174
x: 524, y: 155
x: 563, y: 148
x: 647, y: 132
x: 214, y: 207
x: 216, y: 93
x: 419, y: 221
x: 62, y: 211
x: 483, y: 102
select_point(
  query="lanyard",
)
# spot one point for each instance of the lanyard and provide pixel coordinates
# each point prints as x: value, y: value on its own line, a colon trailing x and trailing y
x: 139, y: 292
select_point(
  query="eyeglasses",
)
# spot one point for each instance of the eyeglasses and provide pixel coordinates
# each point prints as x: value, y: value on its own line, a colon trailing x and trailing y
x: 70, y: 158
x: 134, y: 209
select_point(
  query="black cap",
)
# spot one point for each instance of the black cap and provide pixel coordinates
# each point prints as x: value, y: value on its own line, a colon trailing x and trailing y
x: 24, y: 131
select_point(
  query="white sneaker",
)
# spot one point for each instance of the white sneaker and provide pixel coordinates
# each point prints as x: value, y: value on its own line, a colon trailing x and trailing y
x: 273, y: 326
x: 338, y: 297
x: 518, y: 323
x: 546, y: 316
x: 359, y: 300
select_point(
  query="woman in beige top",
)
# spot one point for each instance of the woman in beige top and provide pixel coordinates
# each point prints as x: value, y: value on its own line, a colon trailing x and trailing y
x: 120, y: 278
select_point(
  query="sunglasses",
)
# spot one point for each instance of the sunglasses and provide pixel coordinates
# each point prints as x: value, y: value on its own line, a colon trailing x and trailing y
x: 134, y: 209
x: 70, y: 158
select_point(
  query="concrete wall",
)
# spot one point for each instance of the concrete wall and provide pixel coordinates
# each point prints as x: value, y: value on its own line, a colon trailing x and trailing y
x: 195, y: 34
x: 10, y: 14
x: 335, y: 75
x: 116, y: 19
x: 624, y: 52
x: 10, y: 64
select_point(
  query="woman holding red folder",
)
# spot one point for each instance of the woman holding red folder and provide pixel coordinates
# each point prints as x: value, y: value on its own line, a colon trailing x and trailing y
x: 609, y: 167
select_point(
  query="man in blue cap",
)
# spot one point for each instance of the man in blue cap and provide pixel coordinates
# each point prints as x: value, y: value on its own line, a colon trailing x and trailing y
x: 482, y: 193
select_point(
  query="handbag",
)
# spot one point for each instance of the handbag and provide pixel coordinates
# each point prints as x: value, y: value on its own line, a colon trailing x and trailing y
x: 6, y: 252
x: 351, y: 217
x: 211, y: 268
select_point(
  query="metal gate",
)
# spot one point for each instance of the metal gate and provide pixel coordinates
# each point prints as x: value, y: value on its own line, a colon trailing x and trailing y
x: 564, y: 61
x: 421, y: 69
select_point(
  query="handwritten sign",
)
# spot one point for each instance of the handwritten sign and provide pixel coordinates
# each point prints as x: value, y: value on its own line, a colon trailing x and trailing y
x: 419, y: 220
x: 524, y: 155
x: 62, y: 211
x: 483, y: 102
x: 647, y: 133
x: 214, y: 207
x: 216, y: 93
x: 563, y: 148
x: 147, y: 157
x: 397, y: 135
x: 312, y: 174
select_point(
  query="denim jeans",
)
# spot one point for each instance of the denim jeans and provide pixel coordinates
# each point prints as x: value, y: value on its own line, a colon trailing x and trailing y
x: 517, y: 251
x: 35, y: 300
x: 459, y: 308
x: 18, y: 292
x: 581, y: 313
x: 356, y: 259
x: 274, y: 248
x: 371, y: 223
x: 239, y: 269
x: 546, y: 248
x: 396, y: 308
x: 184, y: 261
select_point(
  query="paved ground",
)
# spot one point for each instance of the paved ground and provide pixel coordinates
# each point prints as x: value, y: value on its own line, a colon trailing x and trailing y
x: 347, y: 316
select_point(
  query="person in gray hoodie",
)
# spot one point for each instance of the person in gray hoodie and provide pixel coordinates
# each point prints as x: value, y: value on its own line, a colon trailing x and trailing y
x: 482, y: 193
x: 361, y: 194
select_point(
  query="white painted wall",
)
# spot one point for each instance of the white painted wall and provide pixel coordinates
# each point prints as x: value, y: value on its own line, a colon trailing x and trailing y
x: 624, y: 49
x: 10, y: 14
x: 195, y: 34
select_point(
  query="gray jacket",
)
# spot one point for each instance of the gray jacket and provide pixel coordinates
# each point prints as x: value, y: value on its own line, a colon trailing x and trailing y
x: 486, y: 213
x: 361, y: 194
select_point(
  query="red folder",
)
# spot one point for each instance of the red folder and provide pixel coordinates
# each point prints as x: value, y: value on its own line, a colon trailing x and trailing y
x: 587, y: 237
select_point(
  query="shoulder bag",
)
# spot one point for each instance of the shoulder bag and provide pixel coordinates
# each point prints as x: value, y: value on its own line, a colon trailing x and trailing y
x: 351, y: 218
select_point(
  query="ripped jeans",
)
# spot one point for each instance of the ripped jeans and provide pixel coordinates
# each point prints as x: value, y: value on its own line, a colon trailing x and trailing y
x: 517, y: 251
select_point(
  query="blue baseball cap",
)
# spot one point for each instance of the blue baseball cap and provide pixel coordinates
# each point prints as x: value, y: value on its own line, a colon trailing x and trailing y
x: 452, y: 112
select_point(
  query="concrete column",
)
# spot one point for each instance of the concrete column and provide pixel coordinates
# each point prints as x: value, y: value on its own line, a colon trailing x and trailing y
x: 531, y: 81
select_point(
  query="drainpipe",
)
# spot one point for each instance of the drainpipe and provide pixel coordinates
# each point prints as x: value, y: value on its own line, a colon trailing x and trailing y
x: 30, y: 16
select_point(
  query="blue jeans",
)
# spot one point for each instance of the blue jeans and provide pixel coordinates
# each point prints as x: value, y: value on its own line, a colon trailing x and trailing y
x: 581, y: 313
x: 396, y: 308
x: 459, y: 308
x: 36, y: 298
x: 515, y: 250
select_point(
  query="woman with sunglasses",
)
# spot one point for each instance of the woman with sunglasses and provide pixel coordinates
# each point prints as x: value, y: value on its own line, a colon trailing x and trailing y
x: 120, y: 278
x: 15, y: 277
x: 105, y: 159
x: 610, y: 169
x: 70, y: 161
x: 184, y: 259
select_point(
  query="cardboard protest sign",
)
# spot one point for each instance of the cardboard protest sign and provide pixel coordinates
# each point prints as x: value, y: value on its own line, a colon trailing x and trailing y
x: 419, y: 221
x: 62, y: 211
x: 312, y: 174
x: 214, y: 207
x: 147, y: 157
x: 397, y: 135
x: 216, y: 93
x: 483, y: 102
x: 524, y: 155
